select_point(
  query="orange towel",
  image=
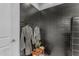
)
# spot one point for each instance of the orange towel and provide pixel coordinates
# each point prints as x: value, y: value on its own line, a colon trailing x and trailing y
x: 38, y: 51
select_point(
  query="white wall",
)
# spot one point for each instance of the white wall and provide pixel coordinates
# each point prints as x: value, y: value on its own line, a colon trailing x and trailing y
x: 9, y: 29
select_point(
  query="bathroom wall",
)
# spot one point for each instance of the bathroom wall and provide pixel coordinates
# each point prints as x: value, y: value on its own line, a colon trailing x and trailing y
x: 26, y: 11
x: 54, y: 23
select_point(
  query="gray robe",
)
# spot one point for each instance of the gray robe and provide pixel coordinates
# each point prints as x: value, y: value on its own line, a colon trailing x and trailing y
x: 27, y: 33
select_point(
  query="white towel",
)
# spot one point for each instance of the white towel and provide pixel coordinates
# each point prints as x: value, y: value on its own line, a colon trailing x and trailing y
x: 37, y: 36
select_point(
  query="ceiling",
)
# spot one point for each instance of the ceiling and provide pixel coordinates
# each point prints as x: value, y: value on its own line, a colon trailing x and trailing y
x: 42, y: 6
